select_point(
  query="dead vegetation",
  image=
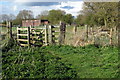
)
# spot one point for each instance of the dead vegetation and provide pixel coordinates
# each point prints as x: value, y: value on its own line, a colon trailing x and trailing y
x: 94, y: 35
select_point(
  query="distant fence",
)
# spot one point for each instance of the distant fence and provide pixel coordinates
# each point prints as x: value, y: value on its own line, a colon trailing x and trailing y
x: 101, y: 35
x: 29, y: 36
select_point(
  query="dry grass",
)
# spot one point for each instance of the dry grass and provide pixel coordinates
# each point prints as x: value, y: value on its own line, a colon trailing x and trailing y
x: 79, y: 38
x: 76, y: 39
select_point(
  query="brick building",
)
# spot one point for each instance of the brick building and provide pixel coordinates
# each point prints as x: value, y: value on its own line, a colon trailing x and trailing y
x: 27, y: 23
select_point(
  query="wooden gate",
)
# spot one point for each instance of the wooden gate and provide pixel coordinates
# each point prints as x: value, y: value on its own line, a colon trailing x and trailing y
x: 37, y: 36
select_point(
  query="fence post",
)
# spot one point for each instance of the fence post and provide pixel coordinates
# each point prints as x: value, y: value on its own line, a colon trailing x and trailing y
x: 86, y: 30
x: 7, y: 25
x: 30, y: 27
x: 62, y: 33
x: 10, y: 29
x: 50, y: 34
x: 75, y: 29
x: 28, y: 36
x: 46, y: 35
x: 111, y: 36
x: 18, y: 32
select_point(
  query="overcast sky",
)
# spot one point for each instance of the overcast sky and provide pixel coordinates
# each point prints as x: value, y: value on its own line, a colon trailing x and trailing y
x: 37, y: 6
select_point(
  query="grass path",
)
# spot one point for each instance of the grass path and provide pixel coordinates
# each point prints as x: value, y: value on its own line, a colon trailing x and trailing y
x: 90, y: 62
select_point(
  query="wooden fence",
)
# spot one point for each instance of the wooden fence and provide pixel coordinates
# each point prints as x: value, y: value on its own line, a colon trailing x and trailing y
x: 30, y: 36
x: 47, y: 35
x: 101, y: 32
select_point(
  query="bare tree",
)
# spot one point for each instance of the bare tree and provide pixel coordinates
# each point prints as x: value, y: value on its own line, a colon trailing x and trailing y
x: 25, y: 14
x: 4, y: 17
x: 12, y: 16
x: 43, y: 15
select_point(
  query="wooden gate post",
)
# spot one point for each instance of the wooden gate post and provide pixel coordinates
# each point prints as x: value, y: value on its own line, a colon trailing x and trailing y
x: 46, y: 35
x: 28, y: 36
x: 62, y: 33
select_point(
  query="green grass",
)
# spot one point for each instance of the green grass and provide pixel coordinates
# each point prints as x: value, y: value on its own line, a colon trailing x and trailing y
x: 90, y: 62
x: 61, y: 62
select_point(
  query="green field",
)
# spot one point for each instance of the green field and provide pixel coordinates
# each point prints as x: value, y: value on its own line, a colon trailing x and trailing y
x: 60, y: 62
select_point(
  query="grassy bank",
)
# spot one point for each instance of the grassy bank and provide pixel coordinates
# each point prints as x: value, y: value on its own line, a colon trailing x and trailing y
x: 61, y: 62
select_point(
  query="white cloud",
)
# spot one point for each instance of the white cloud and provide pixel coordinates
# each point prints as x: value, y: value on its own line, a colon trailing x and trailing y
x: 42, y: 0
x: 14, y: 8
x: 77, y: 6
x: 38, y: 9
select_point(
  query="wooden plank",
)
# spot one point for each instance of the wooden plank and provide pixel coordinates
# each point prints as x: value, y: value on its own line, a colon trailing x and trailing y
x: 24, y: 44
x: 36, y: 28
x: 22, y: 39
x: 35, y: 37
x: 57, y: 31
x: 35, y: 32
x: 22, y: 28
x: 22, y: 34
x: 104, y: 32
x: 38, y: 40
